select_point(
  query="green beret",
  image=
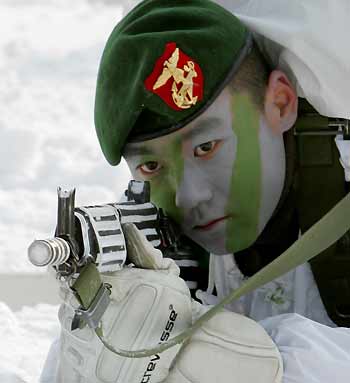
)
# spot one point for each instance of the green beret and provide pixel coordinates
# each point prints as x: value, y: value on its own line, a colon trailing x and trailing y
x: 162, y: 66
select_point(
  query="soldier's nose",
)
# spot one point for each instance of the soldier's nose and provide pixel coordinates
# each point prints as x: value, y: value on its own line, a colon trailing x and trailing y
x: 193, y: 190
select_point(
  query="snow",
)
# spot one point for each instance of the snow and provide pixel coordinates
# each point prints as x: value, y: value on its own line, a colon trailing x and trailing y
x: 49, y: 55
x: 25, y: 336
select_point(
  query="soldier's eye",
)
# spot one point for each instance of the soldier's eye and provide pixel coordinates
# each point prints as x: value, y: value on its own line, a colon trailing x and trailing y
x: 207, y: 149
x: 149, y: 167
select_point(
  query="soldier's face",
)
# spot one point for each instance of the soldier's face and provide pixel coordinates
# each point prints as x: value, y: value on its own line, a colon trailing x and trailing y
x: 220, y: 177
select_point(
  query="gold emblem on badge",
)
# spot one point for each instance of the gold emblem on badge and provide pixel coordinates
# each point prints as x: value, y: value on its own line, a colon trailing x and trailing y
x: 182, y: 96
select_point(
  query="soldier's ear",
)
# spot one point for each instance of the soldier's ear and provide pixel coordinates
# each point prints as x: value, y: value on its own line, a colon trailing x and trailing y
x: 281, y: 102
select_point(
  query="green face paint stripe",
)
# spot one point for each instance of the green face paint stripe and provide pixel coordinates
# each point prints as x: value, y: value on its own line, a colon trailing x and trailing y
x: 245, y: 189
x: 164, y: 185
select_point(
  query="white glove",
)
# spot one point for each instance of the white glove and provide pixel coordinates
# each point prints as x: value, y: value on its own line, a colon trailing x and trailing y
x: 147, y: 308
x: 150, y: 306
x: 229, y: 348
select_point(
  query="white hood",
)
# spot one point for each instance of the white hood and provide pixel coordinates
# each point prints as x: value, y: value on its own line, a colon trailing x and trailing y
x: 307, y: 39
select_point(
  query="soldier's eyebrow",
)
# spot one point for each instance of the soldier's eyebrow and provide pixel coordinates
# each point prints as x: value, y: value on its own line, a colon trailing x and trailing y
x: 203, y: 127
x: 137, y: 151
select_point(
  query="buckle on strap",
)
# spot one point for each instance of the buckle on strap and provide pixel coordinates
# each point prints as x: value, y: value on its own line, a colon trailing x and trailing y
x: 342, y: 141
x: 343, y: 145
x: 93, y: 314
x: 93, y: 295
x: 312, y: 124
x: 342, y: 125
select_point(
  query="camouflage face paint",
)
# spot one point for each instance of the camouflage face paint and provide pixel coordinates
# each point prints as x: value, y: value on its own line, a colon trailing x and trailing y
x: 220, y: 177
x: 191, y: 185
x: 164, y: 185
x: 245, y: 194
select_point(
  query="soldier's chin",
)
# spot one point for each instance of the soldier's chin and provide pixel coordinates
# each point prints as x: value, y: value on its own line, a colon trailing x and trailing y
x: 213, y: 246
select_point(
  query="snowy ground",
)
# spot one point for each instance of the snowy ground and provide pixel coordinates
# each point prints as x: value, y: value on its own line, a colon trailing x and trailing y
x: 25, y: 336
x: 49, y: 54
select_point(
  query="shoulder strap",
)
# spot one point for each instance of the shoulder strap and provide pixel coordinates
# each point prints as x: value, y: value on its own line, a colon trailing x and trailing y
x: 320, y: 185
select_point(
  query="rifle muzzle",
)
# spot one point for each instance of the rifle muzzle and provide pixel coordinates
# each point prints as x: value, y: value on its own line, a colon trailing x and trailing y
x: 44, y: 252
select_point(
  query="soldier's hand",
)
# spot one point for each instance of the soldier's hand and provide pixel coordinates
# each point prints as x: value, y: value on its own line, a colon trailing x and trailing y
x: 149, y: 305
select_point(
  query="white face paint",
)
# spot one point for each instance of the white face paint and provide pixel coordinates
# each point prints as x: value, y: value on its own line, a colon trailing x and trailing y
x: 205, y: 188
x: 273, y: 167
x: 192, y: 171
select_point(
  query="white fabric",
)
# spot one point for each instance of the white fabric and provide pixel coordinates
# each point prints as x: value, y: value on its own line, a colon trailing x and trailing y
x: 50, y: 369
x: 147, y: 307
x: 144, y: 302
x: 294, y: 292
x: 344, y: 151
x: 311, y: 352
x: 228, y: 348
x: 309, y: 40
x: 223, y: 350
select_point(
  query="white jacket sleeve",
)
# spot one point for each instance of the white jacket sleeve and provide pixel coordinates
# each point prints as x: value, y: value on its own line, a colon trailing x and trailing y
x: 49, y: 372
x: 308, y: 40
x: 311, y: 352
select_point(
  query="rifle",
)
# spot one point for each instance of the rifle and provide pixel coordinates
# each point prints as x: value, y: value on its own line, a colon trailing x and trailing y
x: 90, y: 240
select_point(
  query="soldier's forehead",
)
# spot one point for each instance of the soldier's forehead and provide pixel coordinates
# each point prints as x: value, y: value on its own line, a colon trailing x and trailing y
x: 205, y: 125
x: 188, y: 132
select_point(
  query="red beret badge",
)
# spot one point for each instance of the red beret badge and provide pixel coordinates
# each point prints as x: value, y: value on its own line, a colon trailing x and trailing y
x: 176, y: 78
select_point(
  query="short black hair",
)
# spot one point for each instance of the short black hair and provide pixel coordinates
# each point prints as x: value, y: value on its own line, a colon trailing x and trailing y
x: 252, y: 76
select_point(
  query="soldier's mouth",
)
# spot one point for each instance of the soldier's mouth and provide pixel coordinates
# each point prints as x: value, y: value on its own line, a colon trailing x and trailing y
x: 211, y: 224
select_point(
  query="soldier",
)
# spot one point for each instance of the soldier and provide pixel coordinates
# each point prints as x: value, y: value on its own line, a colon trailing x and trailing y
x: 184, y: 94
x: 257, y: 192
